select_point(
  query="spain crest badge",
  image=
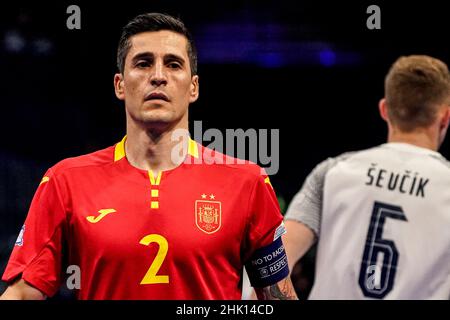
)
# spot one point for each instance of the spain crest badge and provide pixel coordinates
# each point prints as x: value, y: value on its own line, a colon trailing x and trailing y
x: 208, y: 214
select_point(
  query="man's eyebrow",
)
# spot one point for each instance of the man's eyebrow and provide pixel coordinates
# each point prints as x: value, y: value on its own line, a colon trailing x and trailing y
x: 142, y: 55
x: 172, y: 57
x: 149, y: 55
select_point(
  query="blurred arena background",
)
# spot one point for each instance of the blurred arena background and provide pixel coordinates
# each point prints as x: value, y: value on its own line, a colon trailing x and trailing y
x: 309, y: 68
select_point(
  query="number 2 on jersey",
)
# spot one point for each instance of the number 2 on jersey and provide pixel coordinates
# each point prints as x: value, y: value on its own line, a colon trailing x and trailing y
x: 377, y: 281
x: 151, y: 276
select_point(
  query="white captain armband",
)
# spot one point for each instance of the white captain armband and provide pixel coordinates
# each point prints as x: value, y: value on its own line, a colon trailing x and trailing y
x: 268, y: 265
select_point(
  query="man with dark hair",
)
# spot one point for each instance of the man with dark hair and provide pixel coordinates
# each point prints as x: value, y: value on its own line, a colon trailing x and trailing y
x: 382, y: 215
x: 154, y: 216
x: 154, y: 22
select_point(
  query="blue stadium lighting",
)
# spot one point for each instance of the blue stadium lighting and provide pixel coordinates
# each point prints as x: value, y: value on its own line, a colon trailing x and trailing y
x: 270, y: 60
x: 327, y: 58
x: 14, y: 42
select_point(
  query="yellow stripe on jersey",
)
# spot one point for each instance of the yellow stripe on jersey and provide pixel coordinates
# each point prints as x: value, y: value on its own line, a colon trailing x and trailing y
x: 193, y: 149
x: 44, y: 180
x: 267, y: 180
x: 154, y: 205
x: 119, y: 151
x: 153, y: 181
x: 155, y: 193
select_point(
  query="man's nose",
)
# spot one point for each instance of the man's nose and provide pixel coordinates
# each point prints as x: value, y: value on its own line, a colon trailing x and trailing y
x: 158, y: 76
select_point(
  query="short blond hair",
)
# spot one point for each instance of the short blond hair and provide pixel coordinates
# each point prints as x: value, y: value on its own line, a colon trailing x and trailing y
x: 415, y: 87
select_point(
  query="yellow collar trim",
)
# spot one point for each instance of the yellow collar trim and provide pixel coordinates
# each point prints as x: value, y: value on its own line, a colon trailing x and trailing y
x: 119, y: 150
x: 193, y: 149
x: 154, y: 180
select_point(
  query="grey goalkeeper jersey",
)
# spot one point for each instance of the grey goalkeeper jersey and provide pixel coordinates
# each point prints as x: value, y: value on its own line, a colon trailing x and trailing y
x: 382, y: 217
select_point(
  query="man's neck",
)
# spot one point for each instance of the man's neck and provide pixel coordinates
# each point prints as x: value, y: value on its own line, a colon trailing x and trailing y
x: 152, y: 150
x: 421, y: 138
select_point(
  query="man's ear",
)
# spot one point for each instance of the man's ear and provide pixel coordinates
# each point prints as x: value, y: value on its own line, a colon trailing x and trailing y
x: 118, y: 86
x: 443, y: 124
x: 194, y: 89
x: 445, y: 118
x: 382, y: 107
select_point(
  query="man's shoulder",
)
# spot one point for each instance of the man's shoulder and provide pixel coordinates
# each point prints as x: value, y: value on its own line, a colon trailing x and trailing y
x: 96, y: 158
x: 355, y: 154
x: 330, y: 162
x: 393, y: 154
x: 397, y: 152
x: 327, y: 165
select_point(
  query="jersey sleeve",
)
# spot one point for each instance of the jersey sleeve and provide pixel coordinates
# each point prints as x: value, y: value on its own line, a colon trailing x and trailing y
x: 306, y: 206
x: 37, y: 253
x: 265, y: 219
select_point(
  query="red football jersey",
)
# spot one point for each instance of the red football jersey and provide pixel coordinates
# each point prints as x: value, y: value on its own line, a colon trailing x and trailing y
x: 183, y: 234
